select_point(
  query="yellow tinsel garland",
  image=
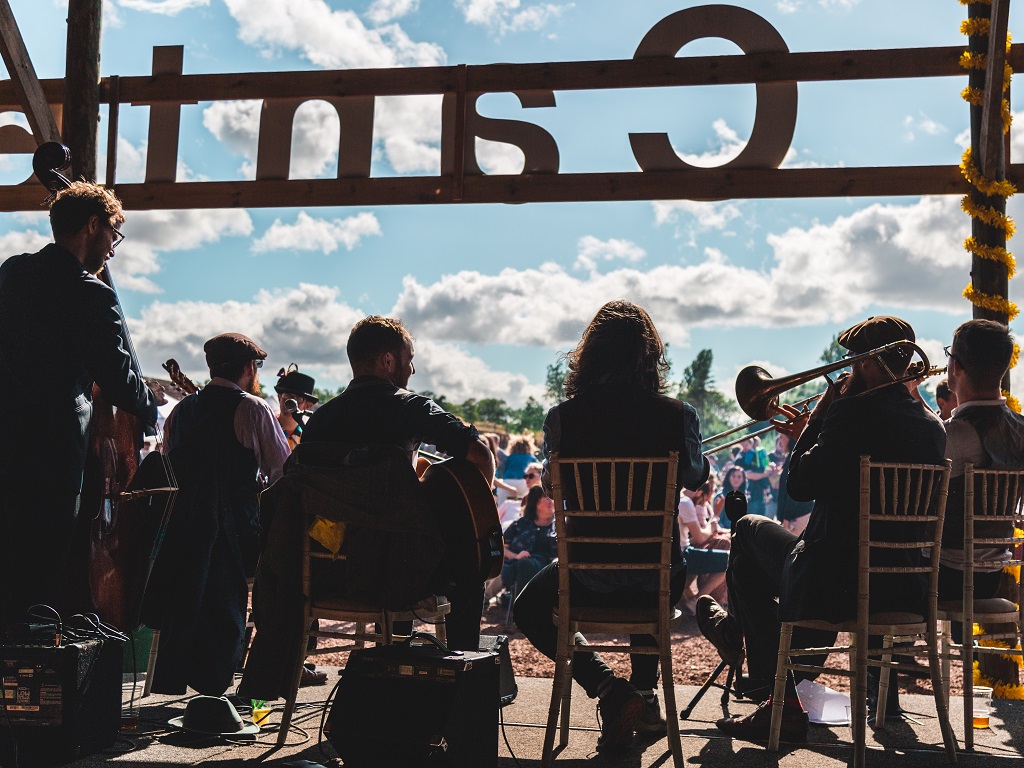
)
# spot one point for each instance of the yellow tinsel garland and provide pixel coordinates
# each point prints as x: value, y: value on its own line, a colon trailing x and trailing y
x: 990, y: 216
x: 1011, y: 402
x: 999, y: 690
x: 1015, y: 358
x: 991, y: 187
x: 992, y: 253
x: 991, y: 303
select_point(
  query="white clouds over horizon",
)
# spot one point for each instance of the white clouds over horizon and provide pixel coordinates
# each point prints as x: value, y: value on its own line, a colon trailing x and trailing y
x: 590, y: 250
x: 312, y: 234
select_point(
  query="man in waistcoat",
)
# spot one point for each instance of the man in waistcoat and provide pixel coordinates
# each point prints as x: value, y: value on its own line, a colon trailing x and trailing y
x: 224, y: 444
x: 983, y: 431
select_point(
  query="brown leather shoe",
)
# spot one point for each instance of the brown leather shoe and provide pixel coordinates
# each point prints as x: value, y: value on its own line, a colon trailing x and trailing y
x: 720, y: 629
x: 757, y: 725
x: 311, y: 676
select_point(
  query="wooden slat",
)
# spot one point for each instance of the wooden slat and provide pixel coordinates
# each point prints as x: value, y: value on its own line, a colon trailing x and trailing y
x: 992, y: 113
x: 24, y: 82
x: 556, y: 76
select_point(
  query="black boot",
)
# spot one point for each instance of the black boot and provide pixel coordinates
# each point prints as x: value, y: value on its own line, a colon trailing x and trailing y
x: 893, y: 710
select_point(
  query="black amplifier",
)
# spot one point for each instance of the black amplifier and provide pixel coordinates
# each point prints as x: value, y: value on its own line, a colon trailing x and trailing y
x: 61, y: 702
x: 417, y: 706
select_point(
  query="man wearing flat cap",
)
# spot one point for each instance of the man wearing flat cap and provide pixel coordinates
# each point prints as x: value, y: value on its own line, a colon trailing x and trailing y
x: 813, y: 576
x: 223, y: 443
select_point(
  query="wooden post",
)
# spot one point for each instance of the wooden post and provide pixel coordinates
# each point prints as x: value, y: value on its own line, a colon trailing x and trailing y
x: 23, y: 74
x: 82, y: 86
x: 988, y: 276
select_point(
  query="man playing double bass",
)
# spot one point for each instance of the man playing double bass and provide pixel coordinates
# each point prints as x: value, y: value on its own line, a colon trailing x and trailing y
x: 61, y: 332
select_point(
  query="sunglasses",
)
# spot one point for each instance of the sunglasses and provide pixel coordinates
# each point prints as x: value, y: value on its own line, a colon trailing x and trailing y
x: 530, y: 475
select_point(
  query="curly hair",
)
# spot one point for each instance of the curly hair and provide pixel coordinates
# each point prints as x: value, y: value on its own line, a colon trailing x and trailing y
x: 72, y: 208
x: 620, y: 346
x: 530, y: 502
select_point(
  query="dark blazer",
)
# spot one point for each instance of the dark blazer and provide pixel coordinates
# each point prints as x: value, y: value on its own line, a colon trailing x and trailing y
x: 819, y: 579
x: 60, y: 332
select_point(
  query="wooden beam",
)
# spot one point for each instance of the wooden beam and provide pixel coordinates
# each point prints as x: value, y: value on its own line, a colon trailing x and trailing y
x: 992, y: 128
x: 82, y: 86
x: 558, y: 76
x: 710, y: 184
x: 26, y: 85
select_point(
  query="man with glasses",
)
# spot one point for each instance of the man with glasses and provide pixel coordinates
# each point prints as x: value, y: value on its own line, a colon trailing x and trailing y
x: 61, y: 333
x: 221, y: 441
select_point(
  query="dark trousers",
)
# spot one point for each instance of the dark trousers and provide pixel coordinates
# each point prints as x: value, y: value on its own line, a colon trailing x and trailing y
x: 38, y: 528
x: 538, y: 599
x: 759, y: 550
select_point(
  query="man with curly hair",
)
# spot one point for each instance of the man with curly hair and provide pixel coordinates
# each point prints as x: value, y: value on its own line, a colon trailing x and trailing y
x: 61, y: 332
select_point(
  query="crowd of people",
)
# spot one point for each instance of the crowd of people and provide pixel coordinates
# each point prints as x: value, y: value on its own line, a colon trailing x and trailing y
x: 347, y: 478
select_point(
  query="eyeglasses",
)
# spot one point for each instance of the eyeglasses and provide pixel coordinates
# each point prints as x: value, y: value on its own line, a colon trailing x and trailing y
x: 118, y: 237
x: 530, y: 475
x: 950, y: 353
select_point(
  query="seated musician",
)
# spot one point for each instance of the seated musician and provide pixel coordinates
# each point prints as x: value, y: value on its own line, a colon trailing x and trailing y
x: 775, y: 576
x: 982, y: 431
x: 616, y: 407
x: 293, y: 385
x: 375, y: 415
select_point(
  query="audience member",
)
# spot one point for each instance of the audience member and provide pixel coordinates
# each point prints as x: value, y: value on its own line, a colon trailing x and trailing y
x: 706, y: 547
x: 945, y: 398
x: 735, y: 480
x: 529, y: 542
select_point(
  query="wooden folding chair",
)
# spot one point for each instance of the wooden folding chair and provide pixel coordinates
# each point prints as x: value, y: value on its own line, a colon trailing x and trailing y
x: 911, y: 499
x: 431, y: 610
x: 993, y: 519
x: 591, y: 489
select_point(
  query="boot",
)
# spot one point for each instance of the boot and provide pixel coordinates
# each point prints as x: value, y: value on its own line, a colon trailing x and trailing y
x: 893, y: 710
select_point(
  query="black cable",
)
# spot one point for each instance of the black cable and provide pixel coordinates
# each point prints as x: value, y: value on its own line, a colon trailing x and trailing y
x: 501, y: 720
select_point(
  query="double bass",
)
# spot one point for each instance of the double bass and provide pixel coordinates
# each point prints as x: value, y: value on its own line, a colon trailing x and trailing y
x: 126, y: 503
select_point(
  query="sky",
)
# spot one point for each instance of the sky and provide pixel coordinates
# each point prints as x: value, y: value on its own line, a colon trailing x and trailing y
x: 493, y: 294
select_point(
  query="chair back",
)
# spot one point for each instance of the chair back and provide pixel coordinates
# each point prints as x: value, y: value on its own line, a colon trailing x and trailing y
x: 993, y: 523
x: 614, y: 514
x: 902, y: 508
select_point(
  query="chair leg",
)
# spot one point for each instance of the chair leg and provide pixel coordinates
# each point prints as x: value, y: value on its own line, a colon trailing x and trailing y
x: 293, y: 690
x: 945, y: 648
x: 859, y: 698
x: 151, y: 666
x: 668, y: 686
x: 883, y: 682
x: 779, y: 694
x: 440, y: 630
x: 941, y: 709
x: 566, y: 704
x: 556, y: 698
x: 967, y: 657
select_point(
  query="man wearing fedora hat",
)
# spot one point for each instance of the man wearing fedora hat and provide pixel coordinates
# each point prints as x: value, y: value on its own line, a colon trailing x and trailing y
x: 220, y: 441
x: 775, y: 576
x: 292, y: 385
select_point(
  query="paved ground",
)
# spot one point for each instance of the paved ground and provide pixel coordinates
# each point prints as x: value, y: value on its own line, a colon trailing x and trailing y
x: 902, y: 744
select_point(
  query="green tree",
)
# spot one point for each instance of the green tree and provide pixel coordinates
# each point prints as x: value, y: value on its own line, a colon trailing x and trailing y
x: 529, y: 418
x: 327, y: 394
x: 467, y: 410
x: 554, y: 382
x: 493, y: 410
x: 834, y: 352
x: 698, y: 389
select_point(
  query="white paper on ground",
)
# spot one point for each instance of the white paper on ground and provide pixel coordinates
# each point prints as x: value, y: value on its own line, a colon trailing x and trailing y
x: 824, y: 706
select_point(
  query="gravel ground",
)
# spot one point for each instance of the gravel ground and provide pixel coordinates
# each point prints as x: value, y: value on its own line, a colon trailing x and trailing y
x: 693, y: 657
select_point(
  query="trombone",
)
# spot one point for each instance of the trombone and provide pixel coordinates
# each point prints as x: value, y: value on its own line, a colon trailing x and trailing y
x: 758, y: 393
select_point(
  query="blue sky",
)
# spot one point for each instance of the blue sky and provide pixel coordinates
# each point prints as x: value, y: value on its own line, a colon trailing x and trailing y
x: 494, y: 293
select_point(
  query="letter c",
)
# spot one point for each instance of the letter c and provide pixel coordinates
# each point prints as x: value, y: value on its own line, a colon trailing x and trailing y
x: 775, y: 116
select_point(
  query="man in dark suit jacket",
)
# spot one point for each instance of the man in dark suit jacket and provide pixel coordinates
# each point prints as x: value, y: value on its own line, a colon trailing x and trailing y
x: 814, y: 576
x: 61, y: 331
x: 615, y: 407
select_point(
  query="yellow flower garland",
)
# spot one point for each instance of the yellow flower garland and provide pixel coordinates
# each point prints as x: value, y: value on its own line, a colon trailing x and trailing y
x: 980, y: 27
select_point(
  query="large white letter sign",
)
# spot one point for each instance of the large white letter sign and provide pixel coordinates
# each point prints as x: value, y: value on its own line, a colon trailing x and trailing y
x: 775, y: 116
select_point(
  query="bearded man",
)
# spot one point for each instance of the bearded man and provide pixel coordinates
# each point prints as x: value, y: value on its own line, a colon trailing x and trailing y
x: 224, y: 444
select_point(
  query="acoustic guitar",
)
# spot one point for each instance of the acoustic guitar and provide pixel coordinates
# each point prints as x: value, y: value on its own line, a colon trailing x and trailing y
x: 461, y: 500
x: 181, y: 382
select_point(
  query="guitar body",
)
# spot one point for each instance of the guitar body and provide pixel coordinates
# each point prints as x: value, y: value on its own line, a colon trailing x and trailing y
x: 463, y: 504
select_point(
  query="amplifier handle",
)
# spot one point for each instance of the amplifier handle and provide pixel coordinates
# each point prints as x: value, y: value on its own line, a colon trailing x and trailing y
x: 431, y: 639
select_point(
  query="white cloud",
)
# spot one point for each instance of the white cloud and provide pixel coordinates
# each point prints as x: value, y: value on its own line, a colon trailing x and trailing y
x: 504, y: 16
x: 921, y: 124
x: 499, y: 158
x: 591, y: 250
x: 332, y: 39
x: 308, y: 325
x: 27, y: 241
x: 325, y: 235
x: 1016, y: 137
x: 706, y: 215
x: 792, y: 6
x: 728, y: 146
x: 162, y: 7
x: 907, y: 257
x: 383, y: 11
